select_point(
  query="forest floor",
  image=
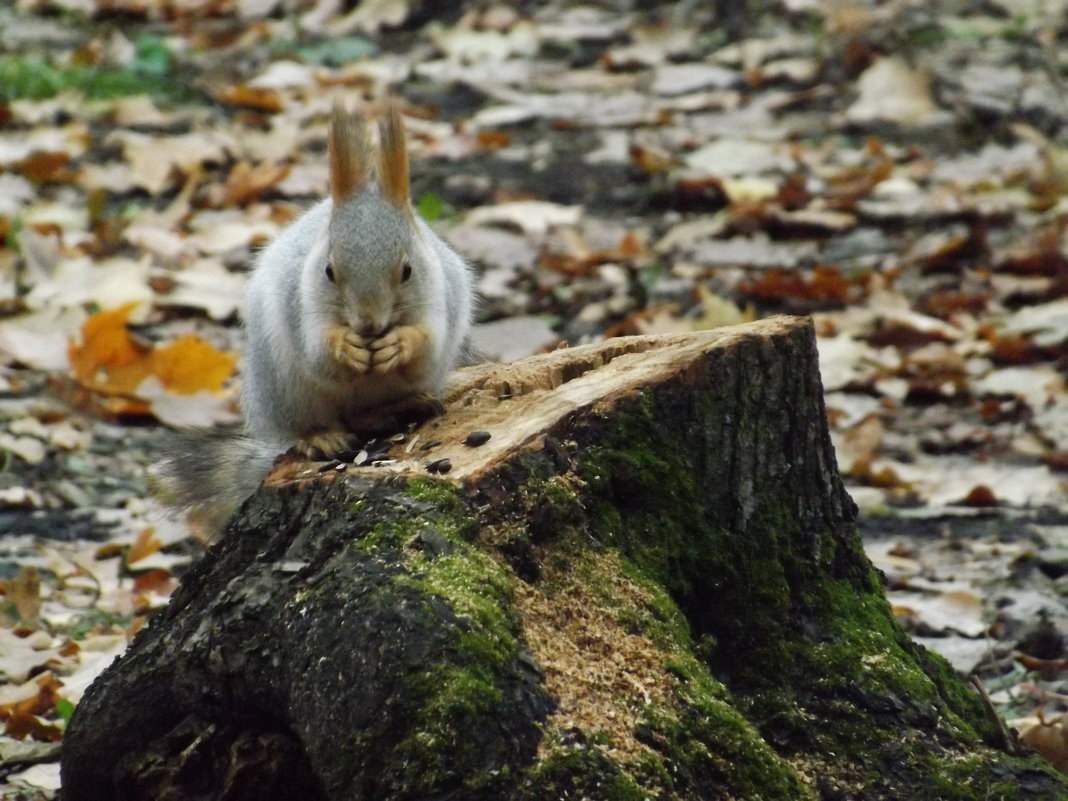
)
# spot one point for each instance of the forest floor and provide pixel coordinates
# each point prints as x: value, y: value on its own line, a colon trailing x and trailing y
x: 898, y: 171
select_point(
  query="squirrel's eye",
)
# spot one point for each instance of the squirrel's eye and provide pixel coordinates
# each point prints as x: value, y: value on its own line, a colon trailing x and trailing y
x: 330, y: 273
x: 406, y: 271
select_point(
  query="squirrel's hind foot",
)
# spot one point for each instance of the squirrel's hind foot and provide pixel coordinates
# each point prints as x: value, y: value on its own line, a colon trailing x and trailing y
x: 325, y: 444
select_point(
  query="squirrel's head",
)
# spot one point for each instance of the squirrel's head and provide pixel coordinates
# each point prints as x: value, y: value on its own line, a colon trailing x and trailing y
x: 374, y: 250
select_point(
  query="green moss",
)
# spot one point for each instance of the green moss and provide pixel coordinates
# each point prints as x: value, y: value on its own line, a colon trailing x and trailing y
x: 578, y: 769
x: 454, y: 517
x: 477, y: 590
x: 704, y: 742
x: 457, y: 701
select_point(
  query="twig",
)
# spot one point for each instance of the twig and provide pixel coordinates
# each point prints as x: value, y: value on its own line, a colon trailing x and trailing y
x: 1008, y: 742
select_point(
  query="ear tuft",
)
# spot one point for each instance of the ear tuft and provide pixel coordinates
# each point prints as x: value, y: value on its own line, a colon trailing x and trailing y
x: 350, y: 153
x: 393, y: 158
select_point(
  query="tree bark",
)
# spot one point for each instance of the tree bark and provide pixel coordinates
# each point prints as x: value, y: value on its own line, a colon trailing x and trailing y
x: 647, y: 583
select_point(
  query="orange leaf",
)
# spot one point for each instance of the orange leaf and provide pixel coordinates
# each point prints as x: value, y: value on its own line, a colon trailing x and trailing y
x: 251, y: 97
x: 145, y: 545
x: 189, y: 365
x: 108, y: 359
x: 157, y: 581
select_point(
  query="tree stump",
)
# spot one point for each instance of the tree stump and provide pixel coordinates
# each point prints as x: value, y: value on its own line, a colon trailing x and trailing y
x: 646, y: 584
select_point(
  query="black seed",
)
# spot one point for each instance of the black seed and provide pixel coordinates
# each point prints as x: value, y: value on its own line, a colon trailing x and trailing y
x: 432, y: 444
x: 476, y: 438
x: 347, y: 456
x: 329, y: 465
x: 438, y: 466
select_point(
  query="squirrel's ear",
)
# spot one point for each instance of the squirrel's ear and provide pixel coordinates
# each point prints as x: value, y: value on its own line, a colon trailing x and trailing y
x: 393, y: 161
x: 350, y: 154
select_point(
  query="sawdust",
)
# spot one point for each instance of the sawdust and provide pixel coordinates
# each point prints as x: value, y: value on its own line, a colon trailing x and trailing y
x: 601, y: 675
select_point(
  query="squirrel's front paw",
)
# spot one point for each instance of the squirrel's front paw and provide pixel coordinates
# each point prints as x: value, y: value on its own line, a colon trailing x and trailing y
x: 397, y: 347
x: 349, y: 349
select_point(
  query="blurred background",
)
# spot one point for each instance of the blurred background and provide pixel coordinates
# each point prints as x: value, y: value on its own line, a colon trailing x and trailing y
x: 898, y: 170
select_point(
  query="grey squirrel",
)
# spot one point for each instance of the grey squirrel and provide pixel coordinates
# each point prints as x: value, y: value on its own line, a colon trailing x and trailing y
x: 355, y: 314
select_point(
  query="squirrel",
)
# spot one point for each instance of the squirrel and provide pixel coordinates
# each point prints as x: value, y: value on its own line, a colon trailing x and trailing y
x: 354, y: 316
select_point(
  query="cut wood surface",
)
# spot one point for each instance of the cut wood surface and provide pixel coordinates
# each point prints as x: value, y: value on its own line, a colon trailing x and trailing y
x: 646, y: 583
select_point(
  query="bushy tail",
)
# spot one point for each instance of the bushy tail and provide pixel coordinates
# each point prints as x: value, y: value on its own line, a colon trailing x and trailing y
x: 207, y: 474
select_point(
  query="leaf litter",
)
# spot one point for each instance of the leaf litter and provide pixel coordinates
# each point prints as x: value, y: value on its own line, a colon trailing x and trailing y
x: 901, y: 176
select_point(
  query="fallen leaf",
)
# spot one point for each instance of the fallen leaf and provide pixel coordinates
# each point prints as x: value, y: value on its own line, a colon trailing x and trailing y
x: 979, y: 495
x: 247, y: 183
x: 21, y: 725
x: 248, y: 96
x: 201, y: 409
x: 109, y: 361
x: 733, y: 157
x: 718, y: 311
x: 825, y: 284
x: 24, y: 590
x: 155, y: 582
x: 956, y: 610
x: 892, y: 91
x: 189, y: 365
x: 532, y: 217
x: 20, y: 656
x: 1050, y: 740
x: 145, y: 545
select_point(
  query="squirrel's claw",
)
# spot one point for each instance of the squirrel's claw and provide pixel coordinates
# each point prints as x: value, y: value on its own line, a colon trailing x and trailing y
x: 324, y: 444
x: 349, y: 349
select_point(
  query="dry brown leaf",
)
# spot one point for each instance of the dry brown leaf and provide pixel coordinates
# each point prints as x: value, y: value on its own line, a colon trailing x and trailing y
x: 25, y: 592
x: 247, y: 183
x: 22, y: 725
x: 251, y: 97
x: 1050, y: 739
x: 861, y: 443
x: 42, y: 166
x: 718, y: 311
x: 980, y: 495
x: 825, y: 284
x: 157, y: 581
x: 34, y: 697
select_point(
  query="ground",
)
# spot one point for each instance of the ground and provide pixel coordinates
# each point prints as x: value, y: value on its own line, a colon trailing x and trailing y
x: 898, y: 171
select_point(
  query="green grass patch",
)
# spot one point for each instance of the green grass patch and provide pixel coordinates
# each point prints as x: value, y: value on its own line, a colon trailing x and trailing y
x: 150, y: 72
